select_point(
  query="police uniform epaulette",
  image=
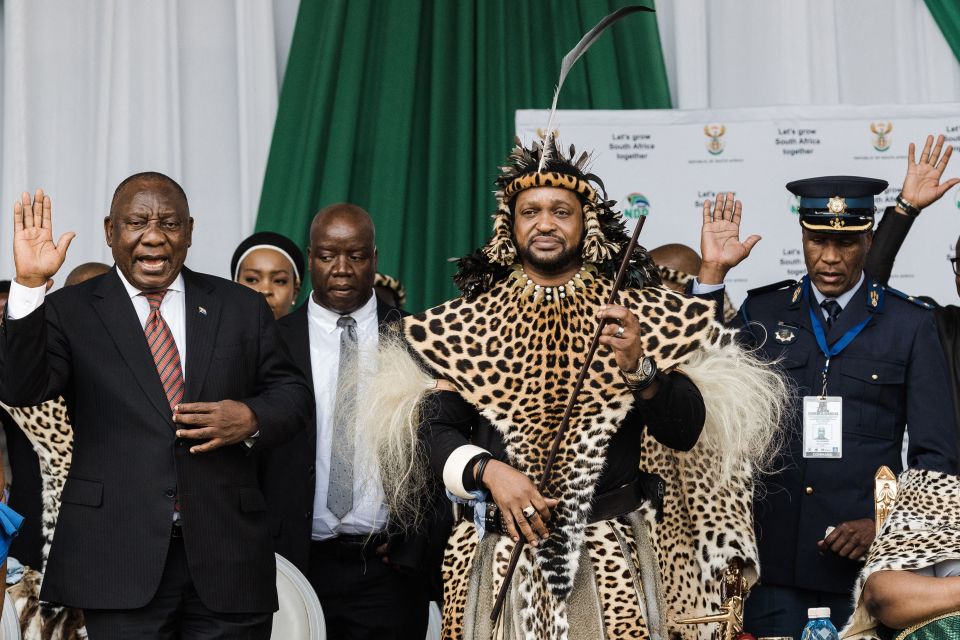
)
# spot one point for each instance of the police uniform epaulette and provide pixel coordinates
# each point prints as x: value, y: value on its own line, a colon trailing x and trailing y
x: 776, y: 286
x: 906, y: 296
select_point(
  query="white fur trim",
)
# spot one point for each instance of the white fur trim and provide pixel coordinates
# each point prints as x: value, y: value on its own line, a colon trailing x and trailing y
x: 454, y: 466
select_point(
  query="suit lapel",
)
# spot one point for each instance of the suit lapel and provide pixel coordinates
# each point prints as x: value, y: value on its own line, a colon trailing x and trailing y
x: 202, y: 317
x: 116, y: 311
x: 297, y: 334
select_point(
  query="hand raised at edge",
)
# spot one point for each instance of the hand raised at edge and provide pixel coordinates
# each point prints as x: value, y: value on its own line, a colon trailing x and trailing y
x: 720, y: 245
x: 921, y: 186
x: 35, y: 255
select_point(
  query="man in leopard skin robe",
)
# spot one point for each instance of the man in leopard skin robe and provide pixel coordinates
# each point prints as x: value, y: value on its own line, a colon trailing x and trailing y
x: 610, y: 552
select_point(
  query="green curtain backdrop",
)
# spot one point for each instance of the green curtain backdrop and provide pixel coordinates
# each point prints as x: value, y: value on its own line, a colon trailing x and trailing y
x: 947, y: 15
x: 406, y: 108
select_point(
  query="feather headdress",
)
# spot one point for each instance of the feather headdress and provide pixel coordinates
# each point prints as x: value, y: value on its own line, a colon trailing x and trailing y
x: 544, y: 165
x: 571, y: 59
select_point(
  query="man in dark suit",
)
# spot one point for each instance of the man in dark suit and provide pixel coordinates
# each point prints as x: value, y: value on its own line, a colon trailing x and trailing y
x: 921, y: 188
x: 865, y: 361
x: 170, y: 378
x: 324, y: 494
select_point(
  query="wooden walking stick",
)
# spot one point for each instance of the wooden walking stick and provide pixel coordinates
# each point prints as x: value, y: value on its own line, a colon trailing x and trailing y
x: 566, y: 64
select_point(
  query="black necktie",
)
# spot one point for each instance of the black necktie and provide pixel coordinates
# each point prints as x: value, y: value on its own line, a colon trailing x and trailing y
x: 833, y: 309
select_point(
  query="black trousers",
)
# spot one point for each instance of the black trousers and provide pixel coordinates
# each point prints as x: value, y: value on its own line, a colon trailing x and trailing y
x: 362, y: 597
x: 176, y: 613
x: 772, y: 610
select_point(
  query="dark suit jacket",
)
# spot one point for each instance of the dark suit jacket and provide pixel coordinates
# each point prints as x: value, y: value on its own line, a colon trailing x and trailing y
x: 893, y: 374
x: 86, y: 343
x: 887, y: 240
x: 288, y: 474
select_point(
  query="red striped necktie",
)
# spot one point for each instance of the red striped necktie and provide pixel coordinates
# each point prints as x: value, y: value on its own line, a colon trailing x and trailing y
x: 164, y: 349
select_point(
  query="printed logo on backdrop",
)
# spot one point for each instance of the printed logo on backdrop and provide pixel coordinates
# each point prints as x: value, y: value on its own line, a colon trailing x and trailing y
x: 881, y: 135
x: 637, y: 206
x: 715, y: 132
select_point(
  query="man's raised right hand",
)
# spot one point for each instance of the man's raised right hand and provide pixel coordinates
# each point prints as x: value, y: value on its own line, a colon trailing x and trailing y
x: 35, y: 255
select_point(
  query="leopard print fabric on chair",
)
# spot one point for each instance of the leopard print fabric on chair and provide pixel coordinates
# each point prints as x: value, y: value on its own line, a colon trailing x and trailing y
x: 48, y: 429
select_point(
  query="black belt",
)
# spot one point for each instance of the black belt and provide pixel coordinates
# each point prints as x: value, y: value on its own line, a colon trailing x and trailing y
x: 615, y: 502
x: 350, y: 545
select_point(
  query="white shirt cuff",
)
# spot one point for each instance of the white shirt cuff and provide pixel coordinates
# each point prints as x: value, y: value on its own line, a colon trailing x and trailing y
x: 24, y: 300
x: 703, y: 289
x: 454, y: 466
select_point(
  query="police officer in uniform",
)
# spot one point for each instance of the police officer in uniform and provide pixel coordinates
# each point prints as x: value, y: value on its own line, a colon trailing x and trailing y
x: 865, y: 361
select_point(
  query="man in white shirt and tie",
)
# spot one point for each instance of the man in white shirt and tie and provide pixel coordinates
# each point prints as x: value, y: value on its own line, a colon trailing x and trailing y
x: 324, y: 493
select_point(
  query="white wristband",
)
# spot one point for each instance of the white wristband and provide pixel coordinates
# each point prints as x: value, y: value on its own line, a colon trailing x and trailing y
x: 454, y: 466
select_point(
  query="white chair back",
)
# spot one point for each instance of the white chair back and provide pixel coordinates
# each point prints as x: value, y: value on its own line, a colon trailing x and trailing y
x: 434, y: 622
x: 300, y: 615
x: 10, y: 621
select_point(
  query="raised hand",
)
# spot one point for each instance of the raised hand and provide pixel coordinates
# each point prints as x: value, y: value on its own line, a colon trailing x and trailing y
x: 35, y: 255
x: 922, y: 186
x: 720, y: 245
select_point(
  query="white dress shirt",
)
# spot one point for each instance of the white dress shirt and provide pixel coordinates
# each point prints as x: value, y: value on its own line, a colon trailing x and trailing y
x: 369, y: 513
x: 25, y: 300
x: 843, y: 299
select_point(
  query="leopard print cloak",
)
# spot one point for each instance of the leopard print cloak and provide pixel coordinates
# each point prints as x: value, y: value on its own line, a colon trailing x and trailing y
x: 923, y: 528
x: 514, y: 356
x: 48, y: 429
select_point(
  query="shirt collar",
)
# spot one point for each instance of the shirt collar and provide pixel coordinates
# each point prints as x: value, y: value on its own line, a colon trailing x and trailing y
x: 327, y: 318
x: 844, y: 298
x: 133, y: 292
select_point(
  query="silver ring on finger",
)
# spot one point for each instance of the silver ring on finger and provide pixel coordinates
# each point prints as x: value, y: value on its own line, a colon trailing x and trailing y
x: 528, y: 512
x: 620, y: 332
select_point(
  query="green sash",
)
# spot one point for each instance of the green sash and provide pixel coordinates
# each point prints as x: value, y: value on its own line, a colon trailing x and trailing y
x: 945, y: 627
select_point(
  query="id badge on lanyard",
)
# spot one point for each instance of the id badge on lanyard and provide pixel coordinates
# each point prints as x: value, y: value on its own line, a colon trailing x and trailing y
x: 822, y: 427
x: 823, y: 414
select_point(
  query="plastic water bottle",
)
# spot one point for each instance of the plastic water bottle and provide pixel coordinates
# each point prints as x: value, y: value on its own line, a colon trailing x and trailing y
x: 819, y: 627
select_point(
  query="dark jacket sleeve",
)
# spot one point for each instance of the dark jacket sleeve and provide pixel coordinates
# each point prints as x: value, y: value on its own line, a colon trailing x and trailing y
x: 887, y: 240
x: 34, y: 358
x: 674, y: 416
x: 930, y: 412
x: 447, y: 424
x: 281, y: 399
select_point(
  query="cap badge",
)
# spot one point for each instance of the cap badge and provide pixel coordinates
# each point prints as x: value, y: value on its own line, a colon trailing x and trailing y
x: 837, y: 205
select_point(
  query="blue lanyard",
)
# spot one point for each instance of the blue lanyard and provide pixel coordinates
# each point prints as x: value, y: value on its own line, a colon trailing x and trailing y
x: 818, y: 332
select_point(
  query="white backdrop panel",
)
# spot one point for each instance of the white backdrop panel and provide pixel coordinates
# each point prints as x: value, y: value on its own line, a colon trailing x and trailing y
x: 95, y: 91
x: 668, y: 158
